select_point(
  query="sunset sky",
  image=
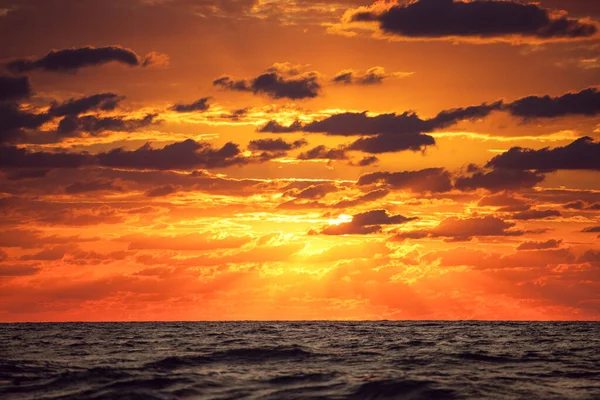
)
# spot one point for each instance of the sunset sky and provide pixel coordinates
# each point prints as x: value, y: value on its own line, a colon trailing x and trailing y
x: 299, y: 160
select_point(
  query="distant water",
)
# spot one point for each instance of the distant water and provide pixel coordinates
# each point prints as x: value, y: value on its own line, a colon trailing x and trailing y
x: 303, y: 360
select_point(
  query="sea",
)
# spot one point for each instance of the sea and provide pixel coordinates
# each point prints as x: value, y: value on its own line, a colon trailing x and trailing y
x: 300, y: 360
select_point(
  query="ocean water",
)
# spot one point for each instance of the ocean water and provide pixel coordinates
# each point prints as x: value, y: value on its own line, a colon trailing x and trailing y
x: 300, y: 360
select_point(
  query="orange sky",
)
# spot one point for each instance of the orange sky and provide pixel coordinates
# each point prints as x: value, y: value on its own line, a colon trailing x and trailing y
x: 299, y: 160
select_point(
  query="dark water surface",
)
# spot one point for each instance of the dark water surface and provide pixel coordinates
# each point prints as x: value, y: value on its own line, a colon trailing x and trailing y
x: 300, y: 360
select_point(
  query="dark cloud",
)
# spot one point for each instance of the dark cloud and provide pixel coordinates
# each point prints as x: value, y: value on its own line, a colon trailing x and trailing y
x: 590, y: 256
x: 450, y: 117
x: 315, y: 191
x: 498, y: 180
x: 392, y: 132
x: 19, y: 175
x: 198, y: 105
x: 278, y: 82
x: 585, y: 102
x: 369, y: 160
x: 506, y: 202
x: 14, y: 120
x: 275, y: 144
x: 92, y: 186
x: 13, y: 270
x: 276, y: 127
x: 366, y: 223
x: 574, y: 205
x: 474, y: 19
x: 70, y: 60
x: 548, y: 244
x: 593, y: 229
x: 535, y: 214
x: 102, y: 101
x: 365, y: 198
x: 386, y: 132
x: 13, y: 88
x: 324, y: 153
x: 581, y: 206
x: 162, y: 191
x: 72, y: 125
x: 372, y: 76
x: 359, y: 124
x: 582, y: 154
x: 14, y: 157
x: 188, y: 154
x: 435, y: 180
x: 457, y: 229
x: 387, y: 143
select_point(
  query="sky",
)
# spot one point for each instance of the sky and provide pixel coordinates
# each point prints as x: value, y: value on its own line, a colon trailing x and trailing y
x: 299, y: 160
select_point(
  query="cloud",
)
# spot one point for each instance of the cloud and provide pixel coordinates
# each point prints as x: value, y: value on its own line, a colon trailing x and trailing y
x: 314, y: 191
x: 498, y: 180
x: 162, y: 191
x: 366, y: 223
x: 585, y: 102
x: 365, y: 198
x: 548, y: 244
x: 387, y: 143
x: 275, y: 144
x: 459, y: 229
x: 477, y: 20
x: 156, y: 60
x: 32, y: 239
x: 14, y: 270
x: 198, y: 105
x: 71, y: 60
x: 582, y: 154
x: 72, y: 125
x: 323, y: 153
x: 14, y: 88
x: 535, y: 214
x: 386, y: 132
x: 590, y: 256
x: 101, y: 101
x: 435, y: 180
x: 506, y: 202
x: 593, y: 229
x: 278, y: 82
x: 188, y: 154
x: 276, y: 127
x: 372, y: 76
x: 92, y: 186
x: 13, y: 121
x: 574, y: 205
x: 366, y: 161
x: 465, y: 229
x: 14, y: 157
